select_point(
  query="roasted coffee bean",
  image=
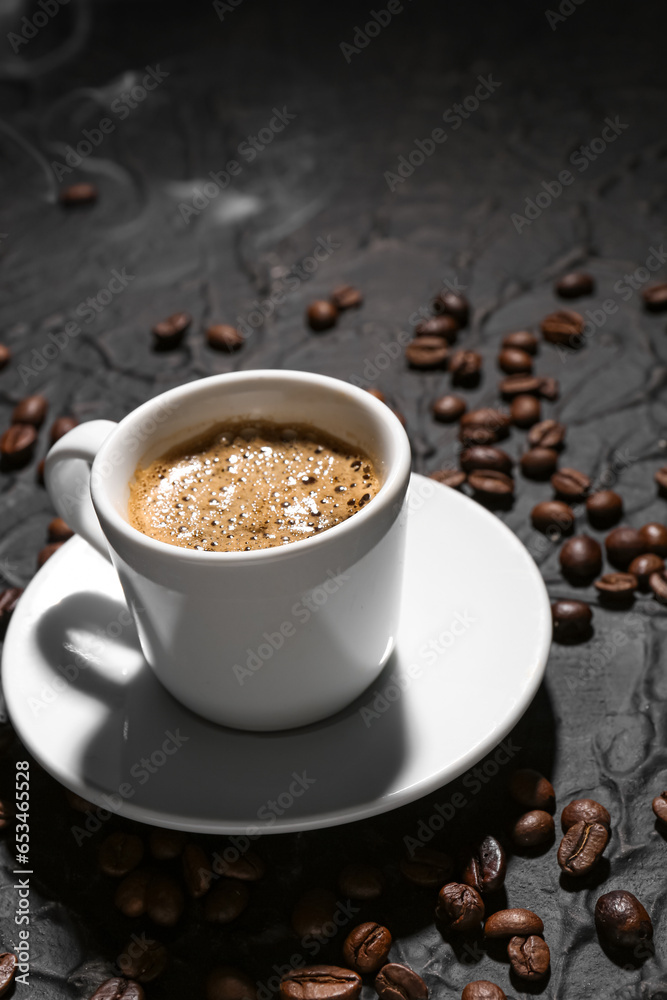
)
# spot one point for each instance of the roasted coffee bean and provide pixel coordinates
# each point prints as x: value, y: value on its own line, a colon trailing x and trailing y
x: 39, y: 472
x: 564, y: 328
x: 485, y: 457
x: 425, y: 353
x: 488, y: 483
x: 320, y: 982
x: 484, y: 426
x: 196, y: 870
x: 604, y: 508
x: 571, y: 621
x: 130, y: 895
x: 77, y: 802
x: 643, y: 566
x: 553, y: 517
x: 45, y: 553
x: 654, y: 538
x: 248, y: 867
x: 144, y: 964
x: 118, y: 989
x: 378, y: 394
x: 581, y: 558
x: 164, y: 900
x: 169, y: 332
x: 586, y: 810
x: 529, y: 957
x: 346, y: 297
x: 655, y: 297
x: 659, y: 806
x: 438, y: 326
x: 449, y: 409
x: 621, y: 920
x: 524, y: 340
x: 514, y: 361
x: 582, y: 846
x: 549, y: 388
x: 62, y: 426
x: 532, y: 790
x: 8, y: 601
x: 539, y: 463
x: 453, y: 478
x: 58, y: 530
x: 227, y: 983
x: 616, y: 589
x: 482, y: 989
x: 533, y: 829
x: 31, y: 410
x: 81, y: 193
x: 399, y: 416
x: 366, y: 947
x: 466, y: 368
x: 359, y: 881
x: 570, y: 484
x: 484, y: 867
x: 427, y: 867
x: 623, y: 545
x: 658, y: 585
x: 226, y: 901
x: 575, y: 284
x: 398, y: 982
x: 452, y: 304
x: 321, y: 315
x: 509, y: 923
x: 5, y: 356
x: 313, y: 911
x: 520, y: 385
x: 7, y: 814
x: 547, y: 434
x: 661, y: 480
x: 119, y: 853
x: 223, y: 337
x: 165, y: 845
x: 525, y: 411
x: 460, y: 907
x: 17, y: 445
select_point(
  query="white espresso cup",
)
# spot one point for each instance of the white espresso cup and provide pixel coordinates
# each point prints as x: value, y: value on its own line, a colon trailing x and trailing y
x: 268, y: 639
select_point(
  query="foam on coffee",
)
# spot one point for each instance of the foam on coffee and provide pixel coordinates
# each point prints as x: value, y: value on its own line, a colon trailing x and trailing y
x: 250, y: 486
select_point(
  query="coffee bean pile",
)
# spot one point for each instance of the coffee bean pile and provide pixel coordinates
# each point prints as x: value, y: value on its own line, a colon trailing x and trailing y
x: 18, y: 442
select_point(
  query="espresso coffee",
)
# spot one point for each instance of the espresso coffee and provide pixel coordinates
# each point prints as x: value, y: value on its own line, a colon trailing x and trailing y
x: 243, y: 487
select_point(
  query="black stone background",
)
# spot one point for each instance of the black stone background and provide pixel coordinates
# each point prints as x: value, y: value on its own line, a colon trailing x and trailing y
x: 597, y: 726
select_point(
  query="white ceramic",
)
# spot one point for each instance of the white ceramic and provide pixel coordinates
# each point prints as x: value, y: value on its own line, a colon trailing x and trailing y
x: 261, y: 640
x: 470, y: 653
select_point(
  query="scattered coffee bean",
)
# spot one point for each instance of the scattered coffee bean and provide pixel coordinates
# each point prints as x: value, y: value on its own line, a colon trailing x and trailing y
x: 570, y: 484
x: 660, y: 478
x: 586, y: 810
x: 31, y: 410
x: 366, y: 947
x: 524, y: 340
x: 226, y: 901
x: 346, y: 297
x: 466, y: 368
x: 227, y: 983
x: 425, y: 353
x: 313, y: 911
x: 553, y: 517
x: 427, y: 867
x: 46, y: 552
x: 549, y: 388
x: 525, y: 411
x: 130, y: 895
x: 547, y: 434
x: 5, y: 356
x: 7, y: 815
x: 358, y: 881
x: 223, y: 337
x: 481, y: 456
x: 39, y: 473
x: 78, y: 194
x: 320, y: 982
x: 454, y: 478
x: 520, y: 385
x: 484, y: 426
x: 59, y: 530
x: 164, y: 900
x: 438, y: 326
x: 485, y: 866
x: 532, y: 790
x: 655, y: 297
x: 169, y: 332
x: 77, y: 802
x: 529, y: 957
x: 248, y: 867
x: 582, y: 846
x: 62, y: 426
x: 539, y: 463
x: 581, y: 558
x: 604, y: 508
x: 564, y: 328
x: 482, y: 989
x: 621, y: 920
x: 533, y: 829
x: 118, y: 989
x: 165, y: 845
x: 144, y: 964
x: 196, y: 870
x: 514, y: 361
x: 398, y: 982
x: 517, y: 921
x: 571, y: 621
x: 616, y: 589
x: 452, y: 304
x: 643, y: 566
x: 378, y: 394
x: 659, y: 806
x: 654, y: 538
x: 574, y: 285
x: 488, y: 483
x: 8, y: 601
x: 623, y: 545
x: 17, y: 445
x: 321, y: 315
x: 658, y: 585
x: 119, y: 853
x: 460, y: 907
x: 449, y: 409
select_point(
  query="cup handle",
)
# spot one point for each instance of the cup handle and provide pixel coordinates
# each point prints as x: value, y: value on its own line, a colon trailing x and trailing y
x: 67, y: 478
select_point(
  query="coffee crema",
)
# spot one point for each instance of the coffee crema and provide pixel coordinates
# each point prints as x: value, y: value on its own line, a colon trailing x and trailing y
x: 247, y: 486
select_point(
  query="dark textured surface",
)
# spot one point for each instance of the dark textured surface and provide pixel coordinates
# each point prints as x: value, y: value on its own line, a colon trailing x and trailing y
x: 597, y: 726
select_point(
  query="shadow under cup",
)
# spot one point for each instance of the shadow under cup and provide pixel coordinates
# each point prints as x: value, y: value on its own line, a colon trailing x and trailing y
x: 273, y: 638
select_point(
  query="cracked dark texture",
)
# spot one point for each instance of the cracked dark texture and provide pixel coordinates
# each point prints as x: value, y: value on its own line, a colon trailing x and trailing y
x: 597, y: 726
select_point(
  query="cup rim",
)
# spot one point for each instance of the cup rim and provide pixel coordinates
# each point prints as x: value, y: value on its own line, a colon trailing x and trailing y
x: 388, y: 494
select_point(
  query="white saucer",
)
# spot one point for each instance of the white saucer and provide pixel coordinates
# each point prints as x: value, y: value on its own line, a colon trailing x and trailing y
x: 465, y: 573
